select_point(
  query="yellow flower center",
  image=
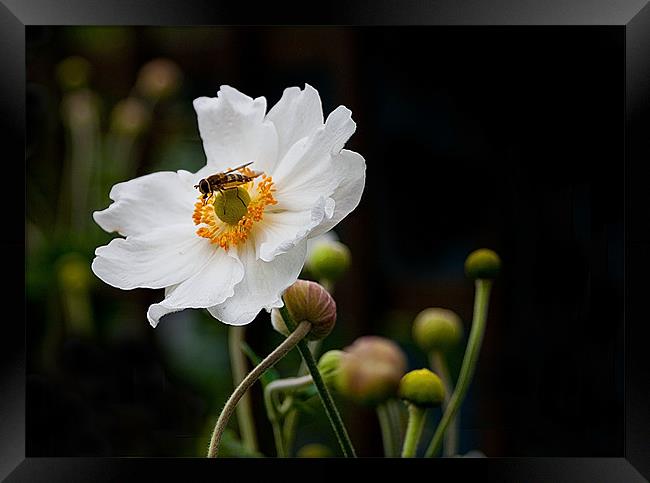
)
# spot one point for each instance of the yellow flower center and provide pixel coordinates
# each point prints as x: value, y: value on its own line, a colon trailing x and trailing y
x: 227, y: 218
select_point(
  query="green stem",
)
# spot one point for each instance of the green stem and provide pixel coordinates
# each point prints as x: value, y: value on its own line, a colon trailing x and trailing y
x: 238, y: 367
x: 481, y: 302
x: 413, y: 431
x: 398, y: 420
x: 289, y: 430
x: 439, y: 366
x: 275, y: 423
x: 280, y: 450
x: 323, y: 392
x: 314, y: 347
x: 291, y: 421
x: 269, y: 361
x: 271, y: 401
x: 386, y: 425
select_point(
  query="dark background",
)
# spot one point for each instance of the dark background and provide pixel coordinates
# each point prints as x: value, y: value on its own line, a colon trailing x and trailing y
x: 498, y: 137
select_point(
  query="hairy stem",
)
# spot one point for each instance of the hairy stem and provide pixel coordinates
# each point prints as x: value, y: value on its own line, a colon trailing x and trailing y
x: 238, y: 367
x: 325, y: 396
x: 289, y: 343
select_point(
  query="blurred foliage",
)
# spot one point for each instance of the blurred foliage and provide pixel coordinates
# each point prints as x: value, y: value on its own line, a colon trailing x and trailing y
x: 87, y: 131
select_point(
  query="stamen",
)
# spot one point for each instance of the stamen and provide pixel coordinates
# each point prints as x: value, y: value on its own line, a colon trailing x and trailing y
x: 224, y: 234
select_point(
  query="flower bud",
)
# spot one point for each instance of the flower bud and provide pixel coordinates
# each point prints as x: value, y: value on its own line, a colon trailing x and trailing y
x: 130, y: 116
x: 80, y: 107
x: 74, y: 273
x: 314, y: 450
x: 328, y: 260
x: 158, y: 78
x: 309, y: 301
x: 437, y: 329
x: 370, y: 370
x: 482, y: 264
x: 329, y: 364
x: 422, y: 388
x: 231, y: 205
x: 73, y: 72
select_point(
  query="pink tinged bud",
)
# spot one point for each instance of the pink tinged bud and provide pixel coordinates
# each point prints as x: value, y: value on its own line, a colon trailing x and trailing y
x: 130, y: 116
x: 371, y: 370
x: 309, y: 301
x: 159, y: 78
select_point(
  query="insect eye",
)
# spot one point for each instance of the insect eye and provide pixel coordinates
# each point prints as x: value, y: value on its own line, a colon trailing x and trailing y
x: 204, y: 187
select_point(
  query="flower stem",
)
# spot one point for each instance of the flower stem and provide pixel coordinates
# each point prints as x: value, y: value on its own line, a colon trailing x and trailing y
x: 289, y: 343
x: 387, y: 430
x: 289, y: 430
x: 323, y: 392
x: 271, y: 403
x: 439, y: 365
x: 413, y: 431
x: 275, y: 423
x: 398, y: 420
x: 481, y: 303
x: 238, y: 367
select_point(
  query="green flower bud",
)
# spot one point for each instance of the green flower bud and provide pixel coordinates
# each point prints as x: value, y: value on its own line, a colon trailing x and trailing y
x: 329, y: 364
x: 74, y: 273
x: 328, y: 260
x: 370, y: 370
x: 437, y: 329
x: 422, y: 388
x: 73, y: 72
x: 231, y: 205
x: 314, y: 450
x: 306, y: 300
x: 130, y: 116
x: 158, y: 78
x: 483, y: 264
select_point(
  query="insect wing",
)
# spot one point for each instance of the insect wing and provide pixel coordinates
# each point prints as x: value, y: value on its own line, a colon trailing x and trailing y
x: 238, y: 167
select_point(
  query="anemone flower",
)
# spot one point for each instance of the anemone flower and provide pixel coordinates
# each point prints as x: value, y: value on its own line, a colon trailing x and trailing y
x: 234, y: 248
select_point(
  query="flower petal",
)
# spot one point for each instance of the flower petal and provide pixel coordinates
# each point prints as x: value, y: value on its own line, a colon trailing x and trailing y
x: 262, y: 285
x: 163, y: 257
x: 297, y: 114
x: 148, y: 202
x: 211, y: 285
x: 351, y: 169
x: 282, y: 230
x: 307, y: 173
x: 234, y: 130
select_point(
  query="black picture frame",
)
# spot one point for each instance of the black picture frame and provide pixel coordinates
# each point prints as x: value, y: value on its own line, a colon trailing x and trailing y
x: 633, y: 19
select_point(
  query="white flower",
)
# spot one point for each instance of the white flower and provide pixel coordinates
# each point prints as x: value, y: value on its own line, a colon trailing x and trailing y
x: 174, y: 241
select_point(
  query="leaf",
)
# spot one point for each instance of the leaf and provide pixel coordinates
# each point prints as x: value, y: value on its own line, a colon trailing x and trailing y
x: 269, y: 375
x: 232, y: 446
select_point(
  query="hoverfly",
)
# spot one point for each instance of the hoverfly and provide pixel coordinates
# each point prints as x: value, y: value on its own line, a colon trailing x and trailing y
x: 226, y: 180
